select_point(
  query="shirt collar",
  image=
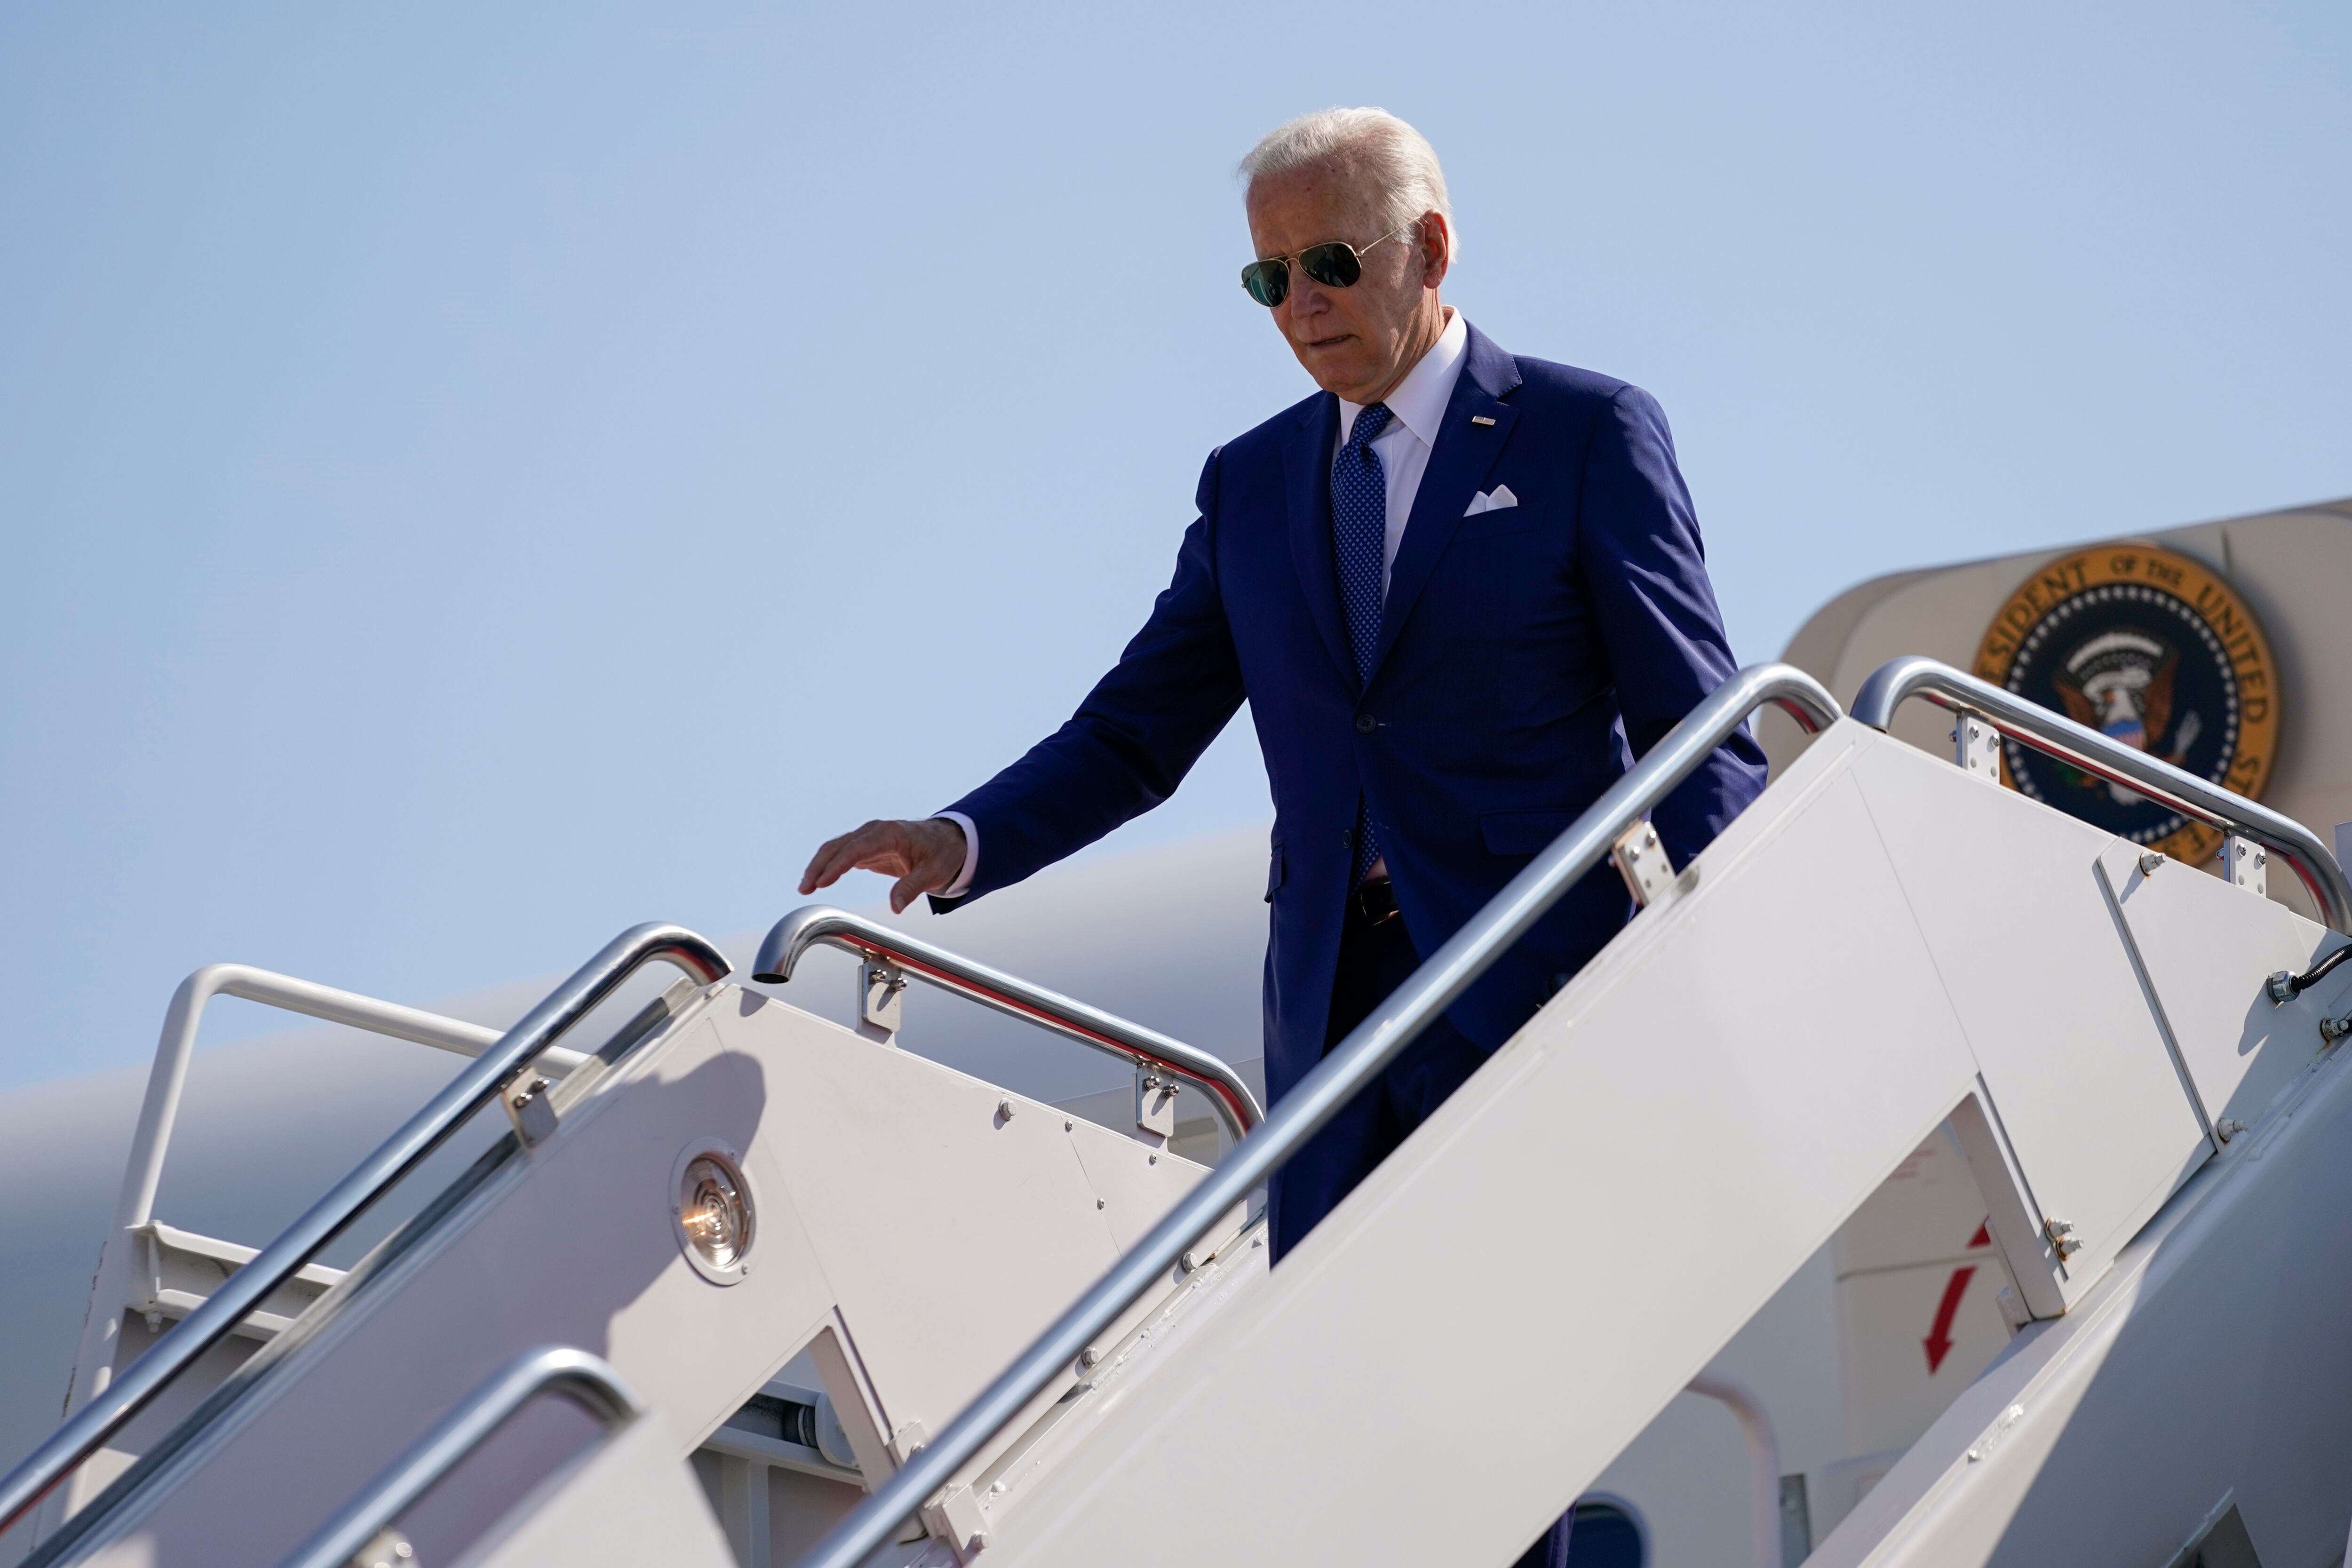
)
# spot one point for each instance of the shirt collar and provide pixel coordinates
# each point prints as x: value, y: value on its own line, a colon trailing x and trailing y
x: 1419, y: 399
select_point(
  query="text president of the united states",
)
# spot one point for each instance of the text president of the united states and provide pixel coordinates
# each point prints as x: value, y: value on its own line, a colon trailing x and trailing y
x: 1460, y: 589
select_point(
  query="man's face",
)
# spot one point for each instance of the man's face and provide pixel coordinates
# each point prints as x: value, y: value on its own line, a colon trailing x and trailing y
x: 1356, y: 342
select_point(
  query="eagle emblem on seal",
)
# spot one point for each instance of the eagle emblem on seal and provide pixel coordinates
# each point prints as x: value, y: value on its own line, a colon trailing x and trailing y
x: 2155, y: 649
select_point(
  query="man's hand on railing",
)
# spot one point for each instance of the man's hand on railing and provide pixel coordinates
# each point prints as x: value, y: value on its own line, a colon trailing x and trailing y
x: 925, y: 857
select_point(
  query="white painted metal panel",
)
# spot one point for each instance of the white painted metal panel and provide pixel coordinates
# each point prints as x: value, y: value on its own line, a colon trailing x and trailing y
x: 2205, y: 1367
x: 2008, y: 895
x: 947, y: 1222
x: 1685, y: 1478
x: 1480, y: 1328
x: 1124, y: 1176
x: 2209, y: 948
x: 573, y: 1244
x: 930, y: 1208
x: 630, y: 1503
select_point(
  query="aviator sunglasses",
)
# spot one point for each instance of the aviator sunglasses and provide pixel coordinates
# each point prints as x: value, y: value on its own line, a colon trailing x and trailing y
x: 1335, y: 264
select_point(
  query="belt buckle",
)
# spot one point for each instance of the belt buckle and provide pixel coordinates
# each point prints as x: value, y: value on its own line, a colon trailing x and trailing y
x: 1376, y: 901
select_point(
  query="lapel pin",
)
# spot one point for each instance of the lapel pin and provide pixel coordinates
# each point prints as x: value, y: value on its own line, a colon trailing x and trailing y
x: 1482, y: 419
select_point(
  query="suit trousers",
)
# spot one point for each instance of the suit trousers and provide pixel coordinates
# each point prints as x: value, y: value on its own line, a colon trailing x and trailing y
x: 1376, y: 956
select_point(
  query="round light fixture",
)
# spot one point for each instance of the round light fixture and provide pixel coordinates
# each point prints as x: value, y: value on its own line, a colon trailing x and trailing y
x: 716, y: 1223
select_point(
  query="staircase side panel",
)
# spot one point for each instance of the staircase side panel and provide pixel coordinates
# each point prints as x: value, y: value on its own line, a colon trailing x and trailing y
x: 571, y: 1244
x: 2205, y: 1367
x: 632, y: 1503
x: 2030, y: 952
x: 2209, y: 949
x: 955, y: 1238
x: 951, y: 1234
x: 1508, y: 1301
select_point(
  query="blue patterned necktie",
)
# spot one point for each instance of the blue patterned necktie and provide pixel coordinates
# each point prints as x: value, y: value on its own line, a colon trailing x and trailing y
x: 1359, y: 528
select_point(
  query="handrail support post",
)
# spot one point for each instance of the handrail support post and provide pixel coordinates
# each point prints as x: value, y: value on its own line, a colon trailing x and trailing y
x: 881, y: 1000
x: 1976, y: 745
x: 2246, y: 864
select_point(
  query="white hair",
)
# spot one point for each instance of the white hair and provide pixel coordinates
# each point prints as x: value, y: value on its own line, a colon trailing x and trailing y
x: 1395, y: 164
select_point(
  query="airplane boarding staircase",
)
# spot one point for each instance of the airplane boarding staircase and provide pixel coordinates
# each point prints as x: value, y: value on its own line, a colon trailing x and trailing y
x: 2146, y: 1089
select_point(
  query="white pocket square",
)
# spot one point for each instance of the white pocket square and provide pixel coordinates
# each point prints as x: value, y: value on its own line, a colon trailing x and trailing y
x: 1494, y: 500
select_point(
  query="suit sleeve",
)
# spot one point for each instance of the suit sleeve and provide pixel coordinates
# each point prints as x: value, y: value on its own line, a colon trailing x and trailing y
x: 1646, y: 569
x: 1133, y: 739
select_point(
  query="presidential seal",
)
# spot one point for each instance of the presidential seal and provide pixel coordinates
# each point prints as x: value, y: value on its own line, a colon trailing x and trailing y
x: 2155, y: 649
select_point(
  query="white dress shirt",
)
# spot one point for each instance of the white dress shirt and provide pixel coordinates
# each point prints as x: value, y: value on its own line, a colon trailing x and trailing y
x: 1418, y: 405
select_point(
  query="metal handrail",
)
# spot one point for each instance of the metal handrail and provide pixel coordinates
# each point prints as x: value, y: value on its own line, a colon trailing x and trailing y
x: 1148, y: 1048
x: 2102, y: 756
x: 1369, y: 1049
x: 167, y: 1079
x: 589, y: 1380
x: 83, y: 1432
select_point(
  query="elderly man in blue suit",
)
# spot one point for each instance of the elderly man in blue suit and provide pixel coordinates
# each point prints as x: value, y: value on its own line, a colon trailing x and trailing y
x: 1460, y: 590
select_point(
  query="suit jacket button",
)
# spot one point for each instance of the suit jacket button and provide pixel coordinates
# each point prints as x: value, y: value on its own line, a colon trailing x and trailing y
x: 1365, y: 723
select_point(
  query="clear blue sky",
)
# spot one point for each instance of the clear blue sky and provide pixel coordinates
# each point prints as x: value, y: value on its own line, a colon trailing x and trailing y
x: 476, y: 477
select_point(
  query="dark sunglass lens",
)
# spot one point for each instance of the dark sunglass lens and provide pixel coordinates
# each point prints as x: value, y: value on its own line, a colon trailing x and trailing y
x: 1268, y: 281
x: 1334, y: 264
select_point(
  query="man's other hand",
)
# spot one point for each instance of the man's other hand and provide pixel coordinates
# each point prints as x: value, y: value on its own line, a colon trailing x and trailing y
x: 924, y: 856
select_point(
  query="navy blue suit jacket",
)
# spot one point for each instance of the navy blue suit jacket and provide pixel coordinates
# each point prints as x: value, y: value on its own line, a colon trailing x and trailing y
x: 1526, y: 654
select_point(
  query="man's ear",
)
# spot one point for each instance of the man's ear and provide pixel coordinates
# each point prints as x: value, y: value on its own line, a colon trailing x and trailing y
x: 1436, y: 248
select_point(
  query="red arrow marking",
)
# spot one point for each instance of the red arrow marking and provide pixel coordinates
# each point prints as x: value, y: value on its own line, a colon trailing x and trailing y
x: 1939, y: 1337
x: 1984, y: 1237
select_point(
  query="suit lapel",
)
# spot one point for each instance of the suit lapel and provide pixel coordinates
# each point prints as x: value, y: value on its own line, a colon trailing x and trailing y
x: 1458, y: 469
x: 1307, y: 466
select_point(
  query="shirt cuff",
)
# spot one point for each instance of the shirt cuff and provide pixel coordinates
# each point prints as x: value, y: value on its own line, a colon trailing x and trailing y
x: 963, y: 884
